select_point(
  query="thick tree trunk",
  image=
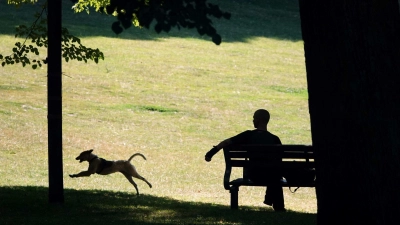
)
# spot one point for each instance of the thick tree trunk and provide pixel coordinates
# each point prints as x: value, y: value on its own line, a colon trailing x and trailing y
x: 352, y: 51
x: 54, y: 102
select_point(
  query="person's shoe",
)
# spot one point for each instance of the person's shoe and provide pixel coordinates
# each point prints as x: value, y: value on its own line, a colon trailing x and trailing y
x: 267, y: 202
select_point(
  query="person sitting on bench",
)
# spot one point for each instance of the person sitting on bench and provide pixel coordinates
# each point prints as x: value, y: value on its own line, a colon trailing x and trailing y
x: 260, y: 135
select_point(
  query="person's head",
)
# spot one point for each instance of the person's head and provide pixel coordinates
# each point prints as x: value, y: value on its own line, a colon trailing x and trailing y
x: 261, y: 118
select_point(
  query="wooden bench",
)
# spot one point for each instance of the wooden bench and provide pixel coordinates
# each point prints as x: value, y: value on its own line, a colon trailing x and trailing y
x: 268, y: 157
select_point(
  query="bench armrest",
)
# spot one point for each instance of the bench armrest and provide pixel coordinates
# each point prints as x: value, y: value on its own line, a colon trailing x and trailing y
x: 228, y: 169
x: 227, y: 176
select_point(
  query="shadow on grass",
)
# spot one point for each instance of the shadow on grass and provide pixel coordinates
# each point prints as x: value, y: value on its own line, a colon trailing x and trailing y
x: 29, y: 205
x: 251, y: 18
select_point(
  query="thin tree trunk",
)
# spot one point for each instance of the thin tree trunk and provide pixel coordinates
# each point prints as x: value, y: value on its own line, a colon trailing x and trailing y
x: 54, y: 102
x: 352, y: 53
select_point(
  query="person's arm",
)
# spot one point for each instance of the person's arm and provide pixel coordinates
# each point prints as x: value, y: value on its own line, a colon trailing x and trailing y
x: 216, y: 149
x: 235, y: 139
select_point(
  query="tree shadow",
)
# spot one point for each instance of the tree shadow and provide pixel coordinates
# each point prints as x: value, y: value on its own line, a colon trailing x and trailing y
x: 250, y: 19
x: 29, y: 205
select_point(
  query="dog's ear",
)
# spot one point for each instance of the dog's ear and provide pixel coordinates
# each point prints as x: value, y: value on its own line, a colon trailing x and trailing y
x: 90, y: 151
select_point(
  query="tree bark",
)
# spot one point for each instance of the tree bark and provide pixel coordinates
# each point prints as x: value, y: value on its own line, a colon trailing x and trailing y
x: 54, y: 102
x: 352, y: 52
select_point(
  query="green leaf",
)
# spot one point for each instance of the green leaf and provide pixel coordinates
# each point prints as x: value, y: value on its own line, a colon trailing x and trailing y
x: 116, y: 27
x: 34, y: 66
x: 216, y: 38
x: 126, y: 23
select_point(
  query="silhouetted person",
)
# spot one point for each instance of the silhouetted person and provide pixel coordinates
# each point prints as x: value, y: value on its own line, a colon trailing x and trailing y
x: 274, y: 192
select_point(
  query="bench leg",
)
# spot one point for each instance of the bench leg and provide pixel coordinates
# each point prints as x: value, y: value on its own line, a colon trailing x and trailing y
x: 234, y: 197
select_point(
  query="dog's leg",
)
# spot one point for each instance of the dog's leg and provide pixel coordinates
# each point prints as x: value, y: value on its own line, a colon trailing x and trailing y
x: 129, y: 177
x: 143, y: 179
x: 82, y: 174
x: 130, y: 169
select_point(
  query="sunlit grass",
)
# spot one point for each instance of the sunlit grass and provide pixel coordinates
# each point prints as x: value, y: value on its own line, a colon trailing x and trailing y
x: 169, y: 97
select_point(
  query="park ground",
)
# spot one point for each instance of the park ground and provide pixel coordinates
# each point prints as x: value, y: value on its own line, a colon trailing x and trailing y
x: 170, y: 97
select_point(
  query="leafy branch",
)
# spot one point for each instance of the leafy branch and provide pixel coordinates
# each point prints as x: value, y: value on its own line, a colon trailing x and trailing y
x: 160, y: 14
x: 72, y: 49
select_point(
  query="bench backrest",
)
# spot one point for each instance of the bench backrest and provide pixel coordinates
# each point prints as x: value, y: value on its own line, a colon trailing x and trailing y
x: 267, y: 156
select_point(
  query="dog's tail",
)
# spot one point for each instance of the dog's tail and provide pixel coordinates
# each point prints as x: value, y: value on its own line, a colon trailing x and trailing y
x: 136, y: 155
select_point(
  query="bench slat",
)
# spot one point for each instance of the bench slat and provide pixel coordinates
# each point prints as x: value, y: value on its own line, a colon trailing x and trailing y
x: 295, y: 148
x: 247, y: 182
x: 284, y: 164
x: 288, y: 155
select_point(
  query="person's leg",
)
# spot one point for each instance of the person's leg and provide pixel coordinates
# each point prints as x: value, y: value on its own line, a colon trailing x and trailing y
x: 268, y: 200
x: 276, y: 193
x: 273, y: 192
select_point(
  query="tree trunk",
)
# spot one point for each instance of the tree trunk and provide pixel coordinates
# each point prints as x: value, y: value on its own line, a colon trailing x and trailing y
x: 54, y: 102
x: 352, y: 51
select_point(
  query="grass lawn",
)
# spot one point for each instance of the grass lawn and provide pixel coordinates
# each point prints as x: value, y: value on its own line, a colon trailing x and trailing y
x: 170, y: 97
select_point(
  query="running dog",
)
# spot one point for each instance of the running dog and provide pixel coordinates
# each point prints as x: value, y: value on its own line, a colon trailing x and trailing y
x: 105, y: 167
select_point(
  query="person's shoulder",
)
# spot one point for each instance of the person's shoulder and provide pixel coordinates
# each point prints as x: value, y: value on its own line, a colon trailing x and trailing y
x: 266, y: 132
x: 245, y: 132
x: 275, y: 137
x: 241, y: 135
